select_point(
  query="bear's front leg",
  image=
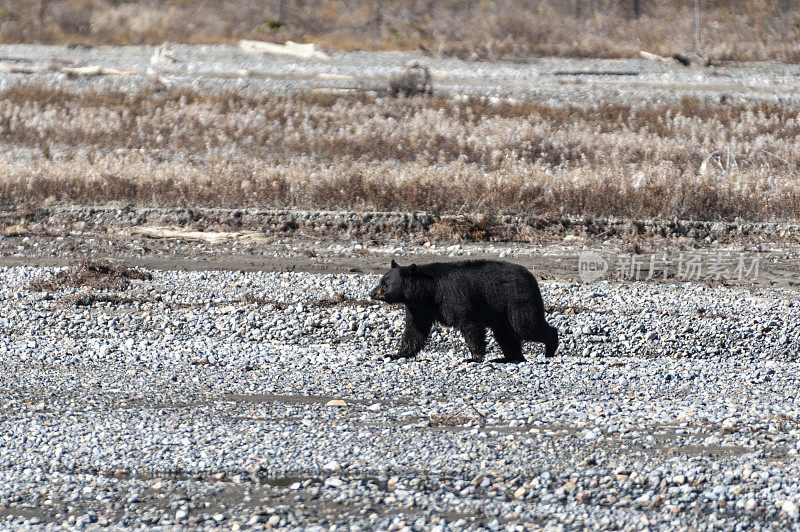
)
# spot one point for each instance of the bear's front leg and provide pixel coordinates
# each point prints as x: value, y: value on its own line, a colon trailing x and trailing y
x: 418, y: 327
x: 475, y: 336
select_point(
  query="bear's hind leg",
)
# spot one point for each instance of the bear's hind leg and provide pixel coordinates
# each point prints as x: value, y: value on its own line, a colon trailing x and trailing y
x: 475, y: 336
x: 418, y: 327
x: 511, y: 345
x: 550, y: 340
x: 548, y: 336
x: 529, y: 324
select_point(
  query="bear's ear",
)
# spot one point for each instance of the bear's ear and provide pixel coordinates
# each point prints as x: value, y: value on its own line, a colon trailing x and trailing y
x: 413, y: 271
x: 394, y: 264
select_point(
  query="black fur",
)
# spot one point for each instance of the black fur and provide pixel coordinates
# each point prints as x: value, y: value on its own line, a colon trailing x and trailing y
x: 470, y: 296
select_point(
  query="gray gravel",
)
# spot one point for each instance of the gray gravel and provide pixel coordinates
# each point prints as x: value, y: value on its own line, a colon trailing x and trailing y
x: 203, y: 399
x: 575, y: 81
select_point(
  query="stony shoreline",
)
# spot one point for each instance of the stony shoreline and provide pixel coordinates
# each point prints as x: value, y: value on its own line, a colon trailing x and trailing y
x: 392, y: 224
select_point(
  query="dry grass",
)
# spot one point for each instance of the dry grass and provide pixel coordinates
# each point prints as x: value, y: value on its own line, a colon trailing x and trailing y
x: 86, y: 275
x: 363, y: 152
x: 474, y: 229
x: 92, y: 274
x: 339, y: 300
x: 444, y: 420
x: 88, y: 299
x: 731, y: 29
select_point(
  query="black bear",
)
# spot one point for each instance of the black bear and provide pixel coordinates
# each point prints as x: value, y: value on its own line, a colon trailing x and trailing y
x: 470, y: 296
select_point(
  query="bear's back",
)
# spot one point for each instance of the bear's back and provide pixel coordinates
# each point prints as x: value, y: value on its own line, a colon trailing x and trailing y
x: 487, y: 280
x: 490, y: 269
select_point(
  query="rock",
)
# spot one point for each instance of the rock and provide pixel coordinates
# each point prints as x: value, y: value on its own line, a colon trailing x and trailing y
x: 790, y: 509
x: 334, y: 482
x: 331, y: 466
x: 255, y: 520
x: 336, y: 402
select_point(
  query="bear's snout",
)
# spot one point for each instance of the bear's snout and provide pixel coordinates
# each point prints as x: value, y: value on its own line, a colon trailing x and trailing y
x: 377, y: 293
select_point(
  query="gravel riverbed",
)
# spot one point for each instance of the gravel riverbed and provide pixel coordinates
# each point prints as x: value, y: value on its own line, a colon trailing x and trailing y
x: 262, y: 399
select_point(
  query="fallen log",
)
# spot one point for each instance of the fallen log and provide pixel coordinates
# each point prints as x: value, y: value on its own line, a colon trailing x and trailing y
x: 305, y: 51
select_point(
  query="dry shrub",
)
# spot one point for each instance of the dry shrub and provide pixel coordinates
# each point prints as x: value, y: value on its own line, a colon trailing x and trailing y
x: 93, y: 274
x: 338, y: 300
x: 251, y: 299
x: 470, y: 229
x: 91, y: 298
x: 413, y: 80
x: 445, y: 420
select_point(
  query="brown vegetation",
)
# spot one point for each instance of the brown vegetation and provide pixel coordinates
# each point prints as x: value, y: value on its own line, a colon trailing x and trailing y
x: 92, y: 274
x: 696, y: 160
x: 729, y: 29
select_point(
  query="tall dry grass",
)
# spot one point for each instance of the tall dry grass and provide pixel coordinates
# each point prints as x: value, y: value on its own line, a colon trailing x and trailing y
x: 364, y: 152
x: 730, y: 29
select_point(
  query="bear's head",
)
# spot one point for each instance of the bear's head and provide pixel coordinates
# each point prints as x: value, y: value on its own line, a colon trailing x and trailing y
x: 392, y: 286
